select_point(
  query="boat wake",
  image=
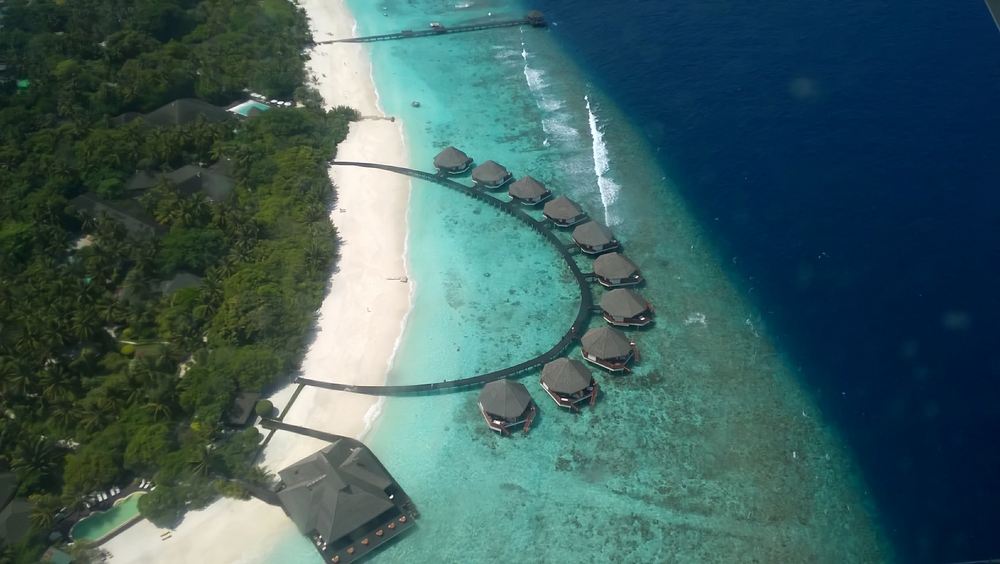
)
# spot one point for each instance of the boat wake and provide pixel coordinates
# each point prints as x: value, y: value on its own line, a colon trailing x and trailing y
x: 602, y: 164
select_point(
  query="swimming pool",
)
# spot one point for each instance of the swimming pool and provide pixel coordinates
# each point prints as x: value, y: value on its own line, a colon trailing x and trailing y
x: 244, y: 108
x: 100, y: 525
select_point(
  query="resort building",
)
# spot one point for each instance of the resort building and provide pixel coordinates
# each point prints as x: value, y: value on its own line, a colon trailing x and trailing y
x: 529, y: 191
x: 568, y: 382
x: 14, y: 513
x: 608, y: 348
x: 127, y: 214
x: 179, y: 282
x: 594, y: 238
x: 240, y: 412
x: 189, y: 180
x: 564, y: 212
x: 178, y: 112
x: 491, y: 175
x: 625, y: 308
x: 452, y: 161
x: 535, y: 18
x: 613, y: 270
x: 345, y: 501
x: 506, y: 404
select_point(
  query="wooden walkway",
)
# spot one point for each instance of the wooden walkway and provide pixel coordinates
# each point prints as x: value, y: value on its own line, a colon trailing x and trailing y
x: 582, y: 318
x: 410, y: 34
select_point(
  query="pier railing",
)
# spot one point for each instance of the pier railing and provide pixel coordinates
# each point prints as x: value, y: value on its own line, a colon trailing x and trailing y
x: 582, y: 317
x: 439, y: 30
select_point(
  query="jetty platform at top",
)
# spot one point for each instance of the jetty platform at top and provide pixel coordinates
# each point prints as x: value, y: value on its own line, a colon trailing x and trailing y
x: 533, y: 18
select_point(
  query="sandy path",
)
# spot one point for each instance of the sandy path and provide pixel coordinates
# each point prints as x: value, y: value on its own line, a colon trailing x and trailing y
x: 360, y: 320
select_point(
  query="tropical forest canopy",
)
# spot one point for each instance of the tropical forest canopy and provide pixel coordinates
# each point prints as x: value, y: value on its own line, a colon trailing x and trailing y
x: 104, y: 377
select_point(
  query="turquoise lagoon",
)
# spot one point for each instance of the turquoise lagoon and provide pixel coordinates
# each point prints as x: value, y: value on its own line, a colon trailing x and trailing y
x: 708, y: 452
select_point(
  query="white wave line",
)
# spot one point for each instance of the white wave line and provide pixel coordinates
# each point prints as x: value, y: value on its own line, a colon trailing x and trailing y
x: 602, y: 164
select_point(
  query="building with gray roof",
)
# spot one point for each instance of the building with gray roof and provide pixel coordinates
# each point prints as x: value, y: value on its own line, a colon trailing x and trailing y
x: 529, y: 191
x: 608, y: 348
x: 613, y: 270
x: 625, y: 308
x: 136, y: 223
x: 593, y: 238
x: 452, y: 161
x: 491, y: 175
x: 506, y: 404
x: 189, y: 180
x: 568, y: 382
x: 564, y: 212
x: 14, y: 513
x: 345, y: 501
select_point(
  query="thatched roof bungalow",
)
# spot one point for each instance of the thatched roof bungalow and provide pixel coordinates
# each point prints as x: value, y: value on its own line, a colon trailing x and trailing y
x: 345, y: 501
x: 452, y: 161
x: 608, y: 348
x: 568, y: 382
x: 529, y: 191
x: 625, y: 308
x: 594, y: 238
x: 535, y: 18
x: 564, y: 212
x: 613, y: 270
x: 491, y: 175
x: 506, y: 404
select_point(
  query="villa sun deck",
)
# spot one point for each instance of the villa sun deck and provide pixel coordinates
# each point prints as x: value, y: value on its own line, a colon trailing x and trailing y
x: 504, y: 427
x: 378, y: 533
x: 618, y: 364
x: 569, y: 401
x: 641, y: 320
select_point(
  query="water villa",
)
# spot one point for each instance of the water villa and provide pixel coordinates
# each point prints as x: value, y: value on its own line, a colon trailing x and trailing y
x: 608, y: 348
x: 564, y: 212
x: 594, y: 238
x: 345, y: 501
x: 625, y: 308
x: 451, y: 160
x: 529, y: 191
x: 506, y: 404
x: 568, y: 382
x: 491, y: 175
x: 613, y: 270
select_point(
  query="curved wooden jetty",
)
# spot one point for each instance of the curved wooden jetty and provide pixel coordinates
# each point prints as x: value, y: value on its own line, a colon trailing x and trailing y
x: 440, y: 30
x: 582, y: 318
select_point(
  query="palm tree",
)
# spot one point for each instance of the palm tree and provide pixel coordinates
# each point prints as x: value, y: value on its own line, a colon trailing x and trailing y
x: 37, y: 459
x: 86, y: 323
x: 44, y: 510
x: 204, y: 461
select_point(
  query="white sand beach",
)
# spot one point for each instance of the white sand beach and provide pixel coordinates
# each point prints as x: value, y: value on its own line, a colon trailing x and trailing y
x: 360, y: 321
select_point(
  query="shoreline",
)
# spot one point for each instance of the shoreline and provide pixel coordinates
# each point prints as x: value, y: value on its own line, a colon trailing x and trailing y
x: 361, y: 323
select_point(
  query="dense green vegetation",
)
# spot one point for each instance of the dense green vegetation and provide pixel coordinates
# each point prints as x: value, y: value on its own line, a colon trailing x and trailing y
x: 102, y: 378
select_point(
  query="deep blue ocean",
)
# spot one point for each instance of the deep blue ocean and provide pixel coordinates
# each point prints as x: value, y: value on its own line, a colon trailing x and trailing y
x: 844, y: 158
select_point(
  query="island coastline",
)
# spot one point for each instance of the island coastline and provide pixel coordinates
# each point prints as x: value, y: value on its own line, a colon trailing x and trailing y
x: 359, y: 325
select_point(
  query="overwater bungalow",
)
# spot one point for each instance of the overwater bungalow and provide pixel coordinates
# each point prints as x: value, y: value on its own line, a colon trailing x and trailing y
x: 506, y: 404
x: 345, y: 501
x: 535, y: 18
x: 568, y: 382
x: 594, y: 238
x: 529, y: 191
x: 613, y: 270
x: 452, y: 161
x: 625, y: 308
x: 491, y: 175
x: 564, y: 212
x: 608, y: 348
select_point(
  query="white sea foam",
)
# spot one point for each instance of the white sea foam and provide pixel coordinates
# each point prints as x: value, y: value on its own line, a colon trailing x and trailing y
x: 461, y: 6
x: 602, y: 164
x: 557, y: 127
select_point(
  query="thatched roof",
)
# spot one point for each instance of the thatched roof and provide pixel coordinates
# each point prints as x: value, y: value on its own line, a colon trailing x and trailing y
x: 527, y: 188
x: 136, y: 223
x: 183, y: 111
x: 451, y: 158
x: 614, y: 266
x: 489, y: 172
x: 8, y: 488
x: 534, y: 14
x: 505, y: 398
x: 623, y: 303
x: 336, y: 490
x: 15, y: 521
x: 565, y: 376
x: 605, y: 342
x: 562, y: 208
x: 241, y: 409
x: 592, y: 234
